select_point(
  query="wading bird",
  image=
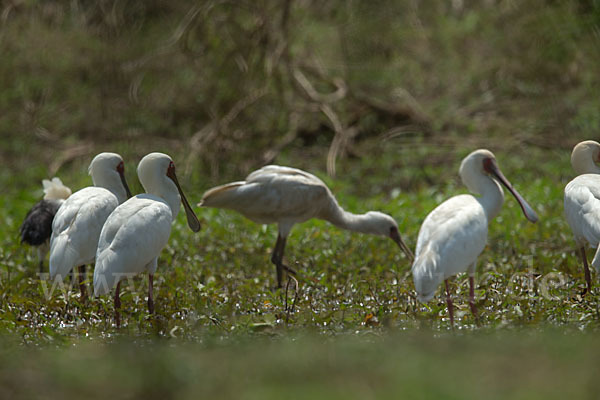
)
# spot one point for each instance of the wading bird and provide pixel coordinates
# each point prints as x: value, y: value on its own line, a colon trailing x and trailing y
x: 78, y: 222
x: 287, y: 196
x: 455, y: 232
x: 136, y: 231
x: 582, y: 202
x: 37, y: 225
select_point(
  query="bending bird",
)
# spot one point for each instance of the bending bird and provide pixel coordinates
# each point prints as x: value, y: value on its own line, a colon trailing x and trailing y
x: 287, y: 196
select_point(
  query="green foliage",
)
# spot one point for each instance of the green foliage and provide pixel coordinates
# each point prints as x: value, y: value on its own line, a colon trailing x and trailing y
x: 219, y: 281
x: 411, y: 365
x: 208, y: 77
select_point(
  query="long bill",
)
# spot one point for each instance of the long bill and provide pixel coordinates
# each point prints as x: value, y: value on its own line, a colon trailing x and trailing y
x: 527, y: 210
x: 395, y: 235
x: 192, y: 220
x: 124, y: 182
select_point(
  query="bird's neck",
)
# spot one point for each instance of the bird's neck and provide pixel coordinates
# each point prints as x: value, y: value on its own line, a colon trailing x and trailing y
x: 112, y: 183
x: 173, y: 200
x: 492, y: 197
x: 349, y: 221
x: 166, y: 190
x: 585, y: 165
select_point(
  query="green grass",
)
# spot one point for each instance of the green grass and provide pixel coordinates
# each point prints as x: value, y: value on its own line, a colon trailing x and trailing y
x: 214, y: 290
x: 416, y: 364
x: 355, y: 331
x: 221, y: 280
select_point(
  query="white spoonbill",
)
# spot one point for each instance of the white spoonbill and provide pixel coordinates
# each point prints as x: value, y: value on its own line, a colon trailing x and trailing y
x: 455, y: 232
x: 136, y: 231
x: 287, y: 196
x: 37, y: 225
x: 78, y: 222
x: 582, y: 202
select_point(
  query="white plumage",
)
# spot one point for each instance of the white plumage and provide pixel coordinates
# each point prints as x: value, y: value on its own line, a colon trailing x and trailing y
x: 455, y: 233
x: 55, y: 190
x: 458, y: 227
x: 582, y: 202
x: 287, y: 196
x: 78, y: 222
x: 135, y: 232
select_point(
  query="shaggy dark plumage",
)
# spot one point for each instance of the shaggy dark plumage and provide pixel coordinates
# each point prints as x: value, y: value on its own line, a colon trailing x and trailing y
x: 37, y: 226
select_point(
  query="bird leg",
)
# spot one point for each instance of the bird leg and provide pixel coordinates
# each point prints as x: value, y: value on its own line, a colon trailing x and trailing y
x: 586, y: 268
x: 472, y: 296
x: 81, y: 279
x: 117, y: 305
x: 289, y: 310
x: 277, y: 259
x: 150, y: 296
x: 449, y: 303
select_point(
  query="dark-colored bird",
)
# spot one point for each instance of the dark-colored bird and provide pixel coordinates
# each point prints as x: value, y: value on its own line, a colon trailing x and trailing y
x: 36, y: 229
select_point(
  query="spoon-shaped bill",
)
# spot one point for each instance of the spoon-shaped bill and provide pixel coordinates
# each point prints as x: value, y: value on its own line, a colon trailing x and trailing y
x: 493, y: 169
x: 192, y: 220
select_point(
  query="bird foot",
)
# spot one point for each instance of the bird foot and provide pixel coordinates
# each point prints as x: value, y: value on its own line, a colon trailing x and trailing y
x: 290, y: 309
x: 586, y: 290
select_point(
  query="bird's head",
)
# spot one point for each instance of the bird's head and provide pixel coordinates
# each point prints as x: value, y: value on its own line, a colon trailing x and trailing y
x: 157, y: 174
x: 585, y: 156
x: 384, y: 225
x: 481, y: 164
x: 108, y: 171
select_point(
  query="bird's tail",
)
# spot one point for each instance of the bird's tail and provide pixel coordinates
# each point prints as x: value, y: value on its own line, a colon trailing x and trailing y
x: 63, y: 257
x: 104, y: 279
x: 54, y: 189
x: 426, y: 275
x: 220, y: 196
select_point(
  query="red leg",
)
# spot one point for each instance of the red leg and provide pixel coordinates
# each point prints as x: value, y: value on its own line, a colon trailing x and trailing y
x: 150, y: 294
x: 117, y: 305
x: 449, y: 303
x: 586, y: 269
x: 472, y: 296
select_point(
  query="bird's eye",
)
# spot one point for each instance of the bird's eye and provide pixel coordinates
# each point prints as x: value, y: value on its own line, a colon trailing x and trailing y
x: 121, y: 167
x: 171, y: 169
x: 487, y: 165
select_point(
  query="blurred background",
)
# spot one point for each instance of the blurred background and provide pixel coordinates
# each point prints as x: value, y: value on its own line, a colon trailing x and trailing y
x: 228, y: 86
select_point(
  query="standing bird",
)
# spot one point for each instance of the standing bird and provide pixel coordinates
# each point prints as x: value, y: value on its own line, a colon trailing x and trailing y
x: 78, y: 222
x: 37, y: 225
x: 455, y: 232
x: 136, y: 231
x: 582, y: 202
x: 287, y: 196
